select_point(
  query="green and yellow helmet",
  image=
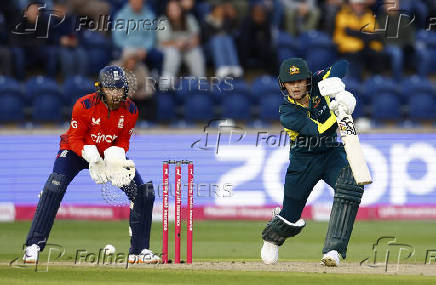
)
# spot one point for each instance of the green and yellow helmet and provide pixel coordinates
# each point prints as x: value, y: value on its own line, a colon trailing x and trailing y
x: 293, y: 69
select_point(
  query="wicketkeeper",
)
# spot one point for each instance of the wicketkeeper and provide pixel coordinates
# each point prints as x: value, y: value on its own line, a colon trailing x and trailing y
x: 98, y: 139
x: 308, y: 116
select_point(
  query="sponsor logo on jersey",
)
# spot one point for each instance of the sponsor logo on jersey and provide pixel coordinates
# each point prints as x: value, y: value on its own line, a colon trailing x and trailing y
x: 121, y: 122
x: 95, y: 121
x: 131, y: 131
x: 74, y: 124
x: 98, y: 138
x: 294, y: 70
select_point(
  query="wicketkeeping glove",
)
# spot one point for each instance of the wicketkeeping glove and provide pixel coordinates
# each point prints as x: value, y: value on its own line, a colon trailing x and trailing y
x: 119, y: 170
x: 97, y: 169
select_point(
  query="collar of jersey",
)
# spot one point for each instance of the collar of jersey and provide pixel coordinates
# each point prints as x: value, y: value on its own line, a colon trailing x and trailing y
x: 292, y: 101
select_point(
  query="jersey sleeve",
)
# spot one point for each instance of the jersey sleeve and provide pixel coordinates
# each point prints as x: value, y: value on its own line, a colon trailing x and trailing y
x: 124, y: 139
x: 338, y: 69
x: 299, y: 122
x: 79, y: 128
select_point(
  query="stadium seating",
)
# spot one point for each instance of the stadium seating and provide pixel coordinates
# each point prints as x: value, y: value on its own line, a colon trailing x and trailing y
x: 264, y: 85
x: 35, y: 86
x: 236, y: 106
x: 387, y: 107
x: 11, y: 108
x: 198, y: 107
x: 415, y: 84
x: 287, y: 46
x: 355, y: 88
x: 166, y: 106
x: 422, y: 107
x: 375, y: 85
x: 319, y: 49
x: 10, y: 86
x: 46, y: 98
x: 186, y: 86
x: 47, y: 107
x: 269, y: 107
x: 426, y: 52
x: 76, y: 87
x: 98, y: 48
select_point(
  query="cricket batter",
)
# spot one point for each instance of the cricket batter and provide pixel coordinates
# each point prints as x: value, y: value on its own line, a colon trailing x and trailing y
x: 309, y: 119
x: 98, y: 139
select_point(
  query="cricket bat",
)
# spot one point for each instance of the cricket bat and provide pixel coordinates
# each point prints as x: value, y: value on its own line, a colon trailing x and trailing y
x: 353, y: 148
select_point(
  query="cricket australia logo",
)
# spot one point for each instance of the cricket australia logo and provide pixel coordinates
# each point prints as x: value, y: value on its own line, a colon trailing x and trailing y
x: 95, y: 121
x: 294, y: 70
x: 121, y: 122
x: 346, y: 126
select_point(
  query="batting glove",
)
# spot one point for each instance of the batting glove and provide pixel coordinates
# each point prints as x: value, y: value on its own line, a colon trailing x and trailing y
x: 331, y: 86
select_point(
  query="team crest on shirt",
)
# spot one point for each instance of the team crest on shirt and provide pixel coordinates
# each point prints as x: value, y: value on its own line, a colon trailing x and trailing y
x: 95, y: 121
x: 121, y: 122
x: 294, y: 70
x: 315, y: 101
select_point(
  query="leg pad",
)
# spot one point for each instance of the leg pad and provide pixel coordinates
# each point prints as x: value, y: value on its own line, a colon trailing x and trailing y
x: 279, y: 229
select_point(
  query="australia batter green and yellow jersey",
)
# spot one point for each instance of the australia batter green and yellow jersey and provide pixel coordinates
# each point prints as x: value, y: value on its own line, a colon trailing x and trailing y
x: 312, y: 129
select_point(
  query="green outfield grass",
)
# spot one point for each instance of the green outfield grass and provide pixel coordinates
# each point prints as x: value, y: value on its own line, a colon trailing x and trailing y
x: 213, y: 241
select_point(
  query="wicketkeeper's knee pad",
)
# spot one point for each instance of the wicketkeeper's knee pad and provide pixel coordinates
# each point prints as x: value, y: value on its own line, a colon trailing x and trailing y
x: 279, y: 229
x: 48, y: 205
x: 56, y: 183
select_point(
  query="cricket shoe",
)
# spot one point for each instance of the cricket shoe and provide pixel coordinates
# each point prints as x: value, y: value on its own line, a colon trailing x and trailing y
x: 31, y: 254
x: 146, y: 256
x: 269, y: 253
x: 331, y: 259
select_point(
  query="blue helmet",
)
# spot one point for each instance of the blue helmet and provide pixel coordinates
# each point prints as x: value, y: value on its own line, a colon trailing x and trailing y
x: 112, y: 76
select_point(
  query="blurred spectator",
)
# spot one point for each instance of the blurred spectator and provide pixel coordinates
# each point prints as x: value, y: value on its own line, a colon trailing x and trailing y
x: 180, y: 39
x: 95, y: 10
x: 141, y: 38
x: 32, y: 41
x: 72, y: 57
x: 5, y: 61
x: 273, y: 9
x: 5, y: 53
x: 140, y: 88
x: 399, y: 36
x: 418, y: 10
x: 255, y: 43
x: 329, y: 9
x: 216, y: 32
x: 356, y: 40
x: 300, y: 15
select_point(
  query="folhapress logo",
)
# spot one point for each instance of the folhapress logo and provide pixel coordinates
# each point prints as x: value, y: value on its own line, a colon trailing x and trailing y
x: 98, y: 138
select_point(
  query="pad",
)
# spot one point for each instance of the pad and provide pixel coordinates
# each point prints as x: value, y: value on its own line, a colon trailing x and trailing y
x: 48, y: 205
x: 141, y: 217
x: 344, y: 210
x: 279, y: 229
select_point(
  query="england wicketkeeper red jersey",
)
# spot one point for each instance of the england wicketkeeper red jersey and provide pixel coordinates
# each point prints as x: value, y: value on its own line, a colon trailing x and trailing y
x: 93, y: 124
